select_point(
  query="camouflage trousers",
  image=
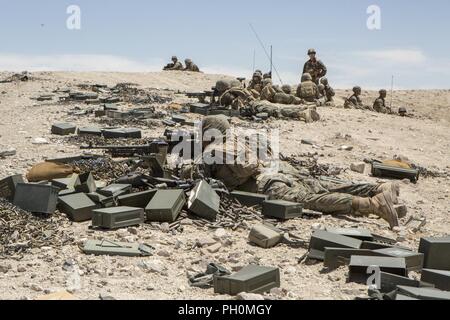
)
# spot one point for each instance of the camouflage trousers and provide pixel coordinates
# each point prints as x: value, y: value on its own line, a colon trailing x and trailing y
x: 298, y: 112
x: 322, y: 195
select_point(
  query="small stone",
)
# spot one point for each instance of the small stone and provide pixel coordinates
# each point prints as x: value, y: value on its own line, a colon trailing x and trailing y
x: 39, y: 141
x: 205, y: 242
x: 154, y: 266
x: 346, y: 148
x: 133, y: 231
x: 69, y: 264
x: 290, y: 270
x: 21, y: 269
x: 358, y: 167
x: 250, y: 297
x: 221, y: 234
x: 150, y: 288
x: 4, y: 268
x: 317, y: 226
x: 165, y: 227
x: 36, y: 288
x: 214, y: 248
x: 8, y: 152
x: 106, y: 297
x: 277, y: 292
x: 164, y: 253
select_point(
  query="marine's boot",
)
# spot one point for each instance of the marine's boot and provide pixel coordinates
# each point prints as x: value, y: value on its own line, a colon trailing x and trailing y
x: 381, y: 205
x: 309, y: 115
x: 391, y: 187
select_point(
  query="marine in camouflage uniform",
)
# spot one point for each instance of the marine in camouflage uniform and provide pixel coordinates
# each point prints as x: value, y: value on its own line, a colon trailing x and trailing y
x: 256, y: 85
x: 175, y: 65
x: 285, y: 96
x: 355, y: 101
x: 304, y: 113
x: 315, y: 67
x: 268, y: 92
x: 191, y: 66
x: 232, y: 94
x: 327, y: 92
x: 289, y: 183
x: 308, y: 90
x: 380, y: 103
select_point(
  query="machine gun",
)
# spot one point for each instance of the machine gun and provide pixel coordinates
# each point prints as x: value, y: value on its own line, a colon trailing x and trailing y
x: 155, y: 147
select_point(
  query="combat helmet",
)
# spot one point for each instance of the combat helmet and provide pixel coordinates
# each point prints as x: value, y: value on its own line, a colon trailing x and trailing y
x: 321, y: 87
x: 312, y: 51
x: 267, y: 81
x: 306, y: 77
x: 235, y: 84
x: 324, y: 81
x: 402, y: 111
x: 357, y: 89
x: 223, y: 85
x: 286, y: 89
x: 174, y: 58
x: 382, y: 91
x: 188, y: 61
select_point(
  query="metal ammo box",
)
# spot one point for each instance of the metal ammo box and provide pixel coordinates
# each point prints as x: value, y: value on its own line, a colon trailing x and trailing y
x: 115, y: 190
x: 423, y: 293
x: 87, y: 183
x: 37, y: 198
x: 130, y: 133
x: 414, y: 260
x: 389, y: 282
x: 440, y: 278
x: 117, y: 217
x: 359, y: 265
x: 204, y: 201
x: 383, y: 171
x: 112, y: 248
x: 199, y: 108
x: 101, y: 200
x: 89, y: 131
x: 63, y: 129
x: 67, y: 183
x: 249, y: 199
x: 323, y: 239
x: 437, y: 253
x: 281, y: 209
x: 8, y: 186
x: 360, y: 234
x: 77, y: 206
x: 178, y: 119
x: 251, y: 279
x: 137, y: 200
x: 265, y: 236
x: 165, y: 206
x: 336, y: 257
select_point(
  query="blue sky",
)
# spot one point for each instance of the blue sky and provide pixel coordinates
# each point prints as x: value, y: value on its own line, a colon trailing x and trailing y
x: 142, y: 35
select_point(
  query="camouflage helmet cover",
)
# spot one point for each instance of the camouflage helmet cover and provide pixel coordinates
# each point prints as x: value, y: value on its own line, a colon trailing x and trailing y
x: 402, y: 110
x: 306, y: 77
x: 188, y: 61
x: 286, y: 89
x: 321, y: 87
x: 267, y: 81
x: 357, y: 89
x: 235, y: 84
x: 223, y: 85
x: 312, y: 51
x: 324, y: 81
x: 218, y: 122
x: 174, y: 58
x: 383, y: 91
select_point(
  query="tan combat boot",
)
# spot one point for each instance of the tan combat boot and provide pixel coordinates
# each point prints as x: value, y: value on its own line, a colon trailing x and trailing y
x: 381, y: 205
x: 391, y: 187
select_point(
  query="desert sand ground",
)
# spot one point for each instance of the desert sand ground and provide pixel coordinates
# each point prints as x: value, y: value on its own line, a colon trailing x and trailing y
x: 424, y: 138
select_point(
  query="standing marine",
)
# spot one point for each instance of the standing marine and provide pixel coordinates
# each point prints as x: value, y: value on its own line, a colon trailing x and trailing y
x: 315, y: 67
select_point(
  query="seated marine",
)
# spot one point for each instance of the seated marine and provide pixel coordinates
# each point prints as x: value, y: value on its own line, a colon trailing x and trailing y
x: 355, y: 101
x: 191, y: 66
x: 308, y: 90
